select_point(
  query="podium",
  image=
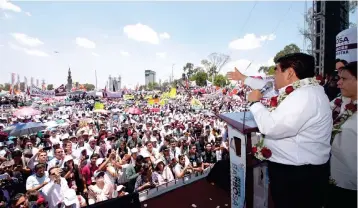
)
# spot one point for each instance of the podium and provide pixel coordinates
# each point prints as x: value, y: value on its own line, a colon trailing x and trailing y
x: 249, y: 176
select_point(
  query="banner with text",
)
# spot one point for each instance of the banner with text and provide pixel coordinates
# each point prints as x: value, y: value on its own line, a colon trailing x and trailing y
x: 38, y: 92
x: 237, y: 167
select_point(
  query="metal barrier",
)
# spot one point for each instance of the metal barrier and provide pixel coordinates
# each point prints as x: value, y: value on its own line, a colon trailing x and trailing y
x: 171, y: 185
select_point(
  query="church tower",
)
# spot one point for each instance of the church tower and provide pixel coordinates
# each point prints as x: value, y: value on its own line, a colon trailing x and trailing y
x: 69, y: 81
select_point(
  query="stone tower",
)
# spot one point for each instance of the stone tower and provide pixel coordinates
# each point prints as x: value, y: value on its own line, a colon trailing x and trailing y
x: 69, y: 81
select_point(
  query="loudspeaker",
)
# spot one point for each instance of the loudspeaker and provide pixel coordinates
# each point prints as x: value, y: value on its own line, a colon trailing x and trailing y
x: 336, y: 19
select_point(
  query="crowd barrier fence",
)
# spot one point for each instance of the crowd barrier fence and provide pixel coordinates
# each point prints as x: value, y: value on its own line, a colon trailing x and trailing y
x: 171, y: 185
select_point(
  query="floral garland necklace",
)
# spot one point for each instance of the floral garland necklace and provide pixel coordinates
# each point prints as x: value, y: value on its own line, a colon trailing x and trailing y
x: 260, y: 151
x: 340, y: 118
x: 275, y: 101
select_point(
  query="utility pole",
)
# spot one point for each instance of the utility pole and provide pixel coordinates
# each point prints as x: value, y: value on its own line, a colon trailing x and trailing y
x: 173, y: 73
x: 95, y: 74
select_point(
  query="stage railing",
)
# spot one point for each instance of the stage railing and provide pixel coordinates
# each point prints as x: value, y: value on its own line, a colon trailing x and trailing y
x: 174, y: 184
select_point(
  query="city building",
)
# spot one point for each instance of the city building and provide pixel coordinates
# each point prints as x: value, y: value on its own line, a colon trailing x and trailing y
x: 149, y: 76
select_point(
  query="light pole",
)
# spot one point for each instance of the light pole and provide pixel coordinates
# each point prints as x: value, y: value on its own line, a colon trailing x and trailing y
x: 173, y: 72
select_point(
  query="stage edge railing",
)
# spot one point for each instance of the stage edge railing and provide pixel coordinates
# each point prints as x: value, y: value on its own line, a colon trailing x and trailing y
x: 171, y: 185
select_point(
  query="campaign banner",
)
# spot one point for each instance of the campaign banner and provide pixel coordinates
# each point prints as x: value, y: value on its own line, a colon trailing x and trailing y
x: 38, y: 92
x: 346, y: 45
x: 114, y: 94
x: 237, y: 167
x: 98, y: 106
x: 60, y: 91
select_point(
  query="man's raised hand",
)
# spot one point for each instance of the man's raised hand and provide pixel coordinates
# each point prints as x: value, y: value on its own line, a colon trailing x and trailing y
x: 236, y: 75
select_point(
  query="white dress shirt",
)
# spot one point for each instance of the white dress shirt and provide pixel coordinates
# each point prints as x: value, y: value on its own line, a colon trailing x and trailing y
x: 54, y: 193
x: 298, y: 131
x: 344, y: 153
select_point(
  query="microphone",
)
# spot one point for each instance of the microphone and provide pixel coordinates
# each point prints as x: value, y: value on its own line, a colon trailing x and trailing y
x: 267, y: 87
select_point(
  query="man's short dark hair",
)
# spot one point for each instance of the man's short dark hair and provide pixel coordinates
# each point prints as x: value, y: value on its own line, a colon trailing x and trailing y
x: 351, y: 67
x: 95, y: 155
x: 303, y: 64
x: 39, y: 165
x: 342, y: 61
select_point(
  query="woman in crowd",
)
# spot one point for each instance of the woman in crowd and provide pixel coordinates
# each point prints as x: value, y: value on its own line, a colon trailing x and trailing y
x: 163, y: 171
x: 343, y: 186
x: 147, y: 179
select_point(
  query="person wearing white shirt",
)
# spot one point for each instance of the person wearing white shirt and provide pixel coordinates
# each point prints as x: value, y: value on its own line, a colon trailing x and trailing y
x: 57, y: 161
x: 38, y: 180
x: 297, y: 132
x: 55, y: 190
x: 343, y: 190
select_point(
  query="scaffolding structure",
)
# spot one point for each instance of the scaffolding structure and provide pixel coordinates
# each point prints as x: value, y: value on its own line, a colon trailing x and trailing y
x: 319, y: 13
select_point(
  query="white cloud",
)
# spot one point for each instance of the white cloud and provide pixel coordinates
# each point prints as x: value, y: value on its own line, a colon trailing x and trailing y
x: 28, y: 14
x: 35, y: 52
x: 32, y: 52
x: 270, y: 62
x: 85, y: 43
x: 6, y: 5
x: 161, y: 55
x: 164, y: 35
x: 124, y: 53
x: 95, y: 54
x: 250, y: 41
x: 141, y: 33
x: 26, y: 40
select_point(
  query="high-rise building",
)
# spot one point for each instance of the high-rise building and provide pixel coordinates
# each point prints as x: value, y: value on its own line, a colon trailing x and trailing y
x: 149, y: 76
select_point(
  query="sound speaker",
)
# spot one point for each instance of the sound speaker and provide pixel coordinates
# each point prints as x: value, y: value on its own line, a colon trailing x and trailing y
x: 336, y: 19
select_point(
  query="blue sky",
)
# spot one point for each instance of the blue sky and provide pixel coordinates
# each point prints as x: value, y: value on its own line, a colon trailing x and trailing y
x: 127, y: 38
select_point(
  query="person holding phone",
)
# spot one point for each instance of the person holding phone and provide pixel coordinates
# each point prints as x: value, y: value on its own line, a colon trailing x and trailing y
x: 39, y: 157
x: 57, y: 161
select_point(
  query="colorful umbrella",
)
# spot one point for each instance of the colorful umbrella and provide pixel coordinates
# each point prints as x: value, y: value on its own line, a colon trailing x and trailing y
x: 27, y: 129
x: 26, y: 111
x: 134, y: 111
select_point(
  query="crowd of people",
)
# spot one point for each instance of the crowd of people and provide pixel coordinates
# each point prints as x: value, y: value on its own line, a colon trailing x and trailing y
x: 96, y: 155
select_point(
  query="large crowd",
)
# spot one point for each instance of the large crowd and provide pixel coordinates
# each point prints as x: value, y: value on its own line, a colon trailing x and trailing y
x: 84, y: 155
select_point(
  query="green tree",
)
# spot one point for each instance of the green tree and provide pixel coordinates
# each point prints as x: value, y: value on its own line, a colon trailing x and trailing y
x: 1, y: 87
x: 152, y: 85
x: 89, y: 87
x: 271, y: 70
x: 7, y: 86
x: 188, y: 69
x: 292, y: 48
x: 200, y: 78
x: 220, y: 80
x: 50, y: 87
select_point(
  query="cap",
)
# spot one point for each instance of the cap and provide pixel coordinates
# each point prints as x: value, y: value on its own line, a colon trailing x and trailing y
x: 67, y: 158
x: 157, y: 162
x: 134, y: 150
x: 98, y: 174
x: 99, y: 161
